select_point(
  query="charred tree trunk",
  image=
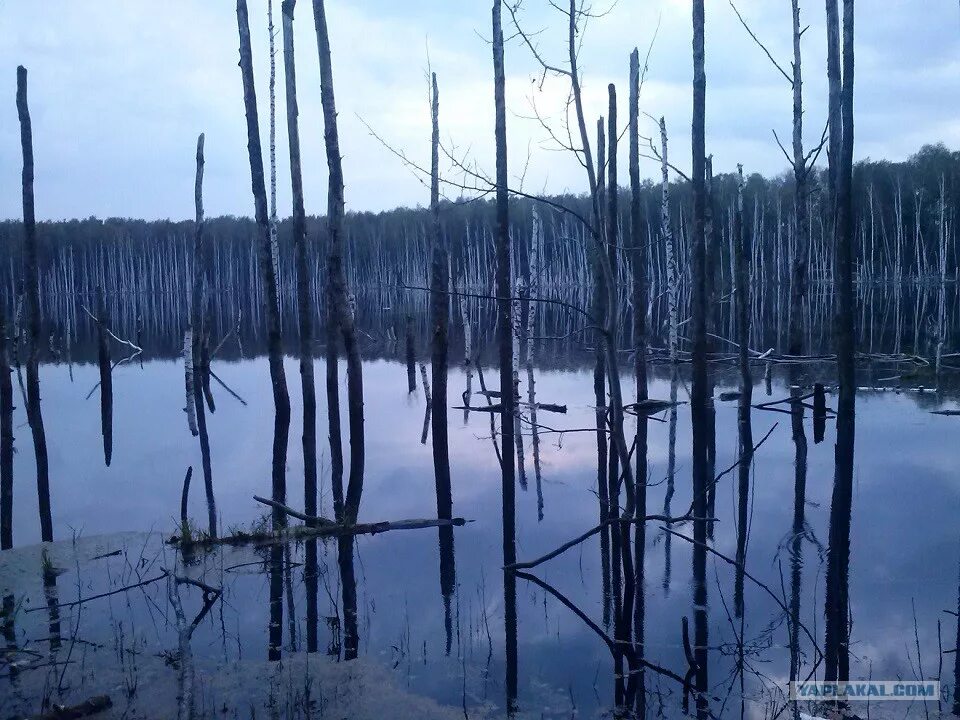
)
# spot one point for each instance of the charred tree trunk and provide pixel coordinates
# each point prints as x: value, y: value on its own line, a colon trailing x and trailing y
x: 281, y: 400
x: 32, y: 293
x: 304, y: 303
x: 336, y: 274
x: 505, y: 352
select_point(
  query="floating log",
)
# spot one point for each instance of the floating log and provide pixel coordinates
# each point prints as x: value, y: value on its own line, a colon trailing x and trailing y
x: 729, y: 395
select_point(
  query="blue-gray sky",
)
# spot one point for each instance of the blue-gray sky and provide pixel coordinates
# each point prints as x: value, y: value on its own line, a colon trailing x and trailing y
x: 119, y: 90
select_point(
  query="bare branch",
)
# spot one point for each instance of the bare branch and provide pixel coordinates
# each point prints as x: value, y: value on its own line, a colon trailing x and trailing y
x: 760, y: 44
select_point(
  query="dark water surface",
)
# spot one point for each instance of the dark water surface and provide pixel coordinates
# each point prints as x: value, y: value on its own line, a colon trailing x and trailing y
x: 422, y: 654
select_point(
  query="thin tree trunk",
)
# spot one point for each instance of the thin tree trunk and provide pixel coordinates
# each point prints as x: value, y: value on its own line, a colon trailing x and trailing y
x: 837, y: 663
x: 281, y: 400
x: 439, y: 322
x: 336, y: 275
x: 639, y: 266
x: 32, y: 293
x: 199, y: 342
x: 106, y: 378
x: 798, y: 288
x: 6, y: 437
x: 505, y: 344
x: 699, y: 389
x: 304, y: 304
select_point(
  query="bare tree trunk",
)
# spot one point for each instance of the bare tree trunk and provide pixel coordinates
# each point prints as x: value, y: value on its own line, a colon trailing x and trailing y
x: 439, y: 322
x: 673, y: 291
x: 640, y: 248
x: 742, y: 247
x: 335, y: 268
x: 106, y: 378
x: 699, y: 389
x: 304, y: 304
x: 32, y: 293
x: 6, y: 437
x: 798, y: 288
x: 336, y: 275
x: 505, y: 344
x: 281, y: 400
x: 274, y: 245
x: 199, y: 365
x: 837, y: 663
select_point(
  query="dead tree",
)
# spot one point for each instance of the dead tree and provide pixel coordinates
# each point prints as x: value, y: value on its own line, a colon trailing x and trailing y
x: 840, y: 113
x: 336, y: 275
x: 274, y: 244
x: 6, y: 438
x: 31, y: 284
x: 304, y: 304
x: 505, y: 345
x: 742, y: 254
x: 281, y: 400
x: 666, y: 231
x: 197, y: 350
x: 802, y: 164
x: 106, y: 378
x: 640, y: 257
x: 439, y: 320
x: 699, y: 390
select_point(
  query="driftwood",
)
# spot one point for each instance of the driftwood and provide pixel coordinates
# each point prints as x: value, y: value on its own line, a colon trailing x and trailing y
x: 312, y: 519
x: 945, y: 412
x: 649, y: 406
x: 94, y: 705
x: 316, y: 527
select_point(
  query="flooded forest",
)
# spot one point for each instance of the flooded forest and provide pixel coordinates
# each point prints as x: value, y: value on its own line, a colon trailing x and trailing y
x: 652, y: 449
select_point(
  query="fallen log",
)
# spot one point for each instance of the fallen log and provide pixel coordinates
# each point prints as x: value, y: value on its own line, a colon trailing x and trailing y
x: 309, y: 519
x: 94, y: 705
x: 301, y: 532
x: 649, y: 406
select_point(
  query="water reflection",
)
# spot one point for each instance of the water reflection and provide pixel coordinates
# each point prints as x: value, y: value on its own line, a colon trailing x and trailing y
x: 565, y: 663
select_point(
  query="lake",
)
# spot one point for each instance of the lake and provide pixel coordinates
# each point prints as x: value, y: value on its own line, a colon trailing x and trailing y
x: 430, y: 635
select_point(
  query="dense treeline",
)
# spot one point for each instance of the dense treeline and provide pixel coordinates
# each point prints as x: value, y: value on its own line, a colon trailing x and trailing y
x: 905, y: 230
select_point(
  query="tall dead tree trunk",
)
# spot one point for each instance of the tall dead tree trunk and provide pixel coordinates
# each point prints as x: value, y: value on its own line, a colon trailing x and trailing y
x: 32, y: 293
x: 336, y: 275
x: 505, y: 352
x: 6, y: 437
x: 304, y: 303
x: 439, y: 321
x: 798, y: 286
x: 274, y: 244
x: 199, y: 341
x: 281, y: 400
x: 837, y: 662
x: 699, y: 390
x: 640, y: 263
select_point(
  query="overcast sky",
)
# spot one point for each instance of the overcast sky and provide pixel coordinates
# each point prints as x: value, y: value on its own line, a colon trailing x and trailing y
x: 119, y: 90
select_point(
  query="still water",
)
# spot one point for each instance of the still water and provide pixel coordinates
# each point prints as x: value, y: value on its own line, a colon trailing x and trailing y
x: 429, y: 647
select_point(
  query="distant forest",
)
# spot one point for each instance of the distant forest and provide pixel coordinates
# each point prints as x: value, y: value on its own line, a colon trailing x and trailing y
x: 905, y: 231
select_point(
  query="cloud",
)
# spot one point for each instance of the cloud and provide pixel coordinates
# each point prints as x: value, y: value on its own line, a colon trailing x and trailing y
x: 119, y: 89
